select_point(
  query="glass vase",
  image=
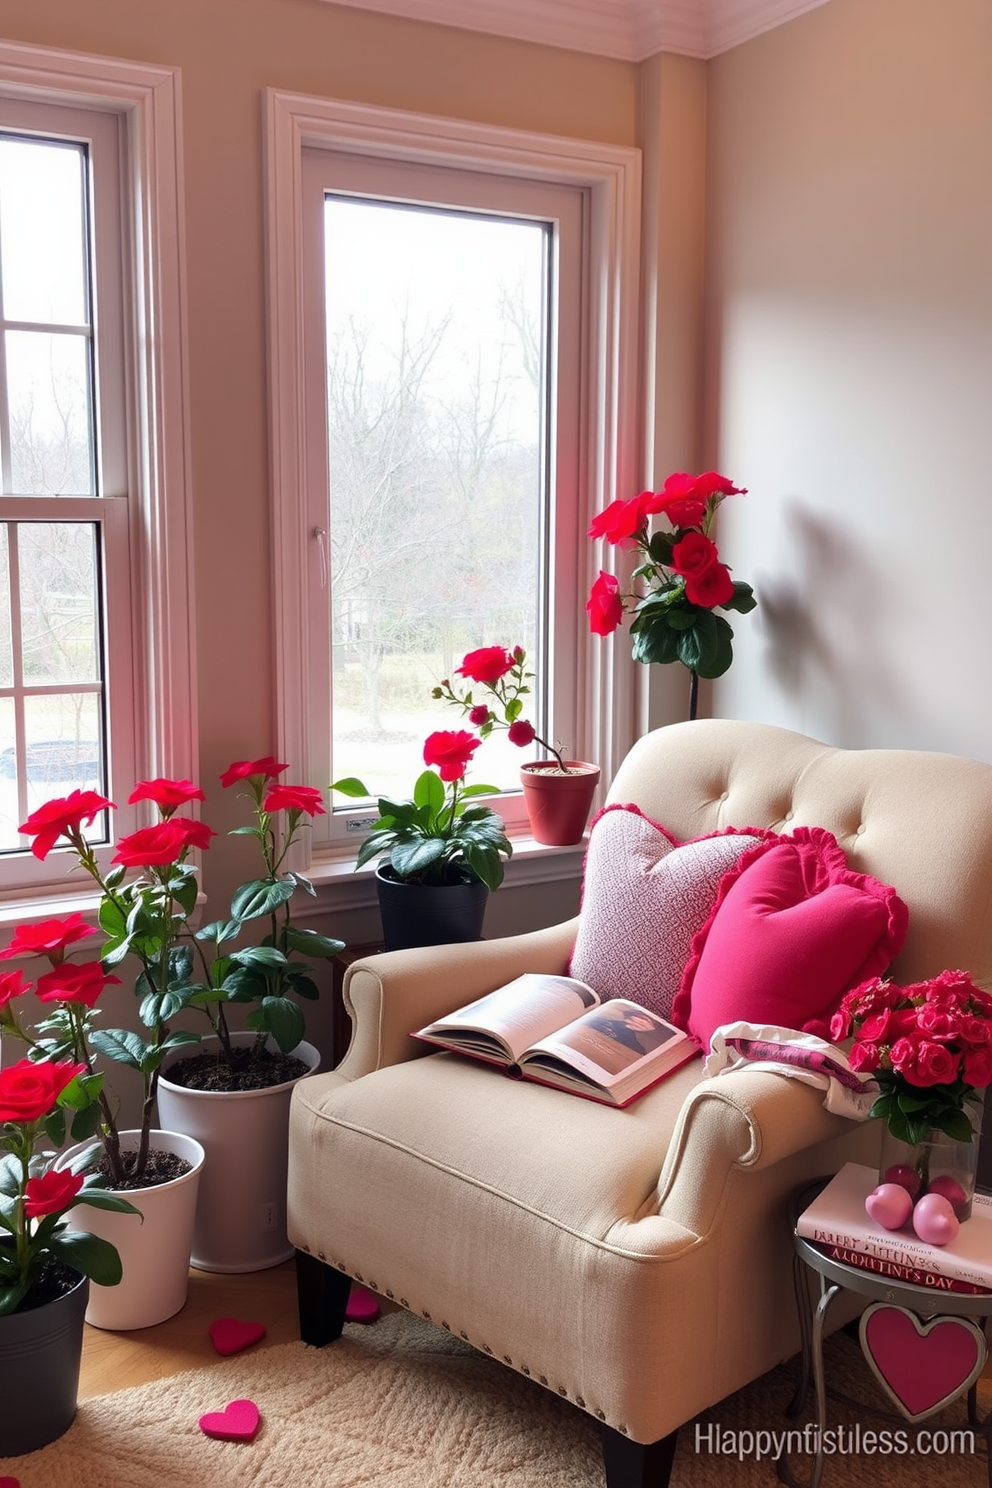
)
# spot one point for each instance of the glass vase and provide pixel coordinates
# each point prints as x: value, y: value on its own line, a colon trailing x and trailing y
x: 938, y: 1164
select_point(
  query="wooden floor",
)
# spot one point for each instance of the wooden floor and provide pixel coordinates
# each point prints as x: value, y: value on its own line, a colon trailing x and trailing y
x: 113, y: 1361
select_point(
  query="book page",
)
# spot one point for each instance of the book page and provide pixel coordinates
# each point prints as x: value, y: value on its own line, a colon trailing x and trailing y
x: 611, y: 1040
x: 526, y: 1009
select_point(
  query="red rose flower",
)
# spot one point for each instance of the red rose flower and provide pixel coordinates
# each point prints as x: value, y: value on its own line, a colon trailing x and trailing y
x: 712, y: 483
x: 693, y: 554
x: 977, y: 1067
x: 975, y: 1030
x: 864, y: 1057
x: 712, y: 587
x: 48, y: 937
x: 487, y: 664
x: 451, y: 751
x: 604, y: 605
x: 520, y: 732
x: 294, y: 798
x: 679, y: 501
x: 29, y: 1091
x: 57, y: 818
x: 166, y: 794
x: 12, y: 984
x: 479, y: 715
x: 51, y: 1192
x: 840, y: 1024
x: 165, y: 842
x: 935, y: 1065
x: 244, y: 769
x: 618, y: 522
x: 74, y: 981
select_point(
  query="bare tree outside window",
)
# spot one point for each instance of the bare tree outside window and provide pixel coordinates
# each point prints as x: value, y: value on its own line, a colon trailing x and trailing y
x: 436, y: 374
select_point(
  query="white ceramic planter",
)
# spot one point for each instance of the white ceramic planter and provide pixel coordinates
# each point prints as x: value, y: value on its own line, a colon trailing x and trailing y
x: 241, y: 1209
x: 154, y: 1254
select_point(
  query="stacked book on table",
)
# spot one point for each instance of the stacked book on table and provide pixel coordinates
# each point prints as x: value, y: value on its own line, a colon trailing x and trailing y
x: 837, y: 1224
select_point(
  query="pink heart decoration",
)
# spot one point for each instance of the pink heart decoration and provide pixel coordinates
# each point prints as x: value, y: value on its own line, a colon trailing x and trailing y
x: 10, y: 1483
x: 238, y: 1421
x: 363, y: 1305
x: 921, y: 1366
x: 231, y: 1335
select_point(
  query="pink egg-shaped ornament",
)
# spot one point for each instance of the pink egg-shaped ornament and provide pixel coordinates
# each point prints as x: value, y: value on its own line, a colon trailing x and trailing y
x: 950, y: 1189
x: 906, y: 1177
x: 889, y: 1205
x: 934, y: 1219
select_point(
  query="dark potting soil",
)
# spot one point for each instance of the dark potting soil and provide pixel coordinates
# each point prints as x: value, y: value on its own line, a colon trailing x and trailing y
x: 55, y: 1281
x: 243, y: 1069
x: 161, y: 1167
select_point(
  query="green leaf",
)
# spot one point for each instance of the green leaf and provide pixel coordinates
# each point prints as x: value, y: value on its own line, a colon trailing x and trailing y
x: 303, y: 883
x: 261, y: 896
x: 707, y: 648
x: 281, y: 1017
x: 653, y: 640
x: 484, y: 863
x: 410, y: 858
x: 513, y: 709
x: 95, y: 1258
x: 743, y: 600
x: 351, y: 786
x: 265, y: 956
x: 302, y: 985
x: 120, y: 1045
x: 98, y: 1197
x: 660, y: 547
x: 309, y: 943
x: 429, y: 791
x: 956, y: 1124
x: 86, y: 1123
x: 480, y: 790
x: 218, y: 931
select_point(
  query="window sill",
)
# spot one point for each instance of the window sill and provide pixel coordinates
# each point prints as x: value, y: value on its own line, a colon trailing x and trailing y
x: 341, y: 886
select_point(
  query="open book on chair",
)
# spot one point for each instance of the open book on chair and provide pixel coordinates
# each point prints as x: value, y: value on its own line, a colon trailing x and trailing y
x: 558, y: 1031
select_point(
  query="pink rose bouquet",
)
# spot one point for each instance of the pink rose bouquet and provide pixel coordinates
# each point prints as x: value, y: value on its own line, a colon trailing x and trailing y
x: 928, y: 1046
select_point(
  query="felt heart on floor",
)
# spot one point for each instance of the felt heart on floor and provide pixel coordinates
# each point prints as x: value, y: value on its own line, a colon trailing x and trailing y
x: 363, y: 1305
x: 231, y: 1335
x: 238, y: 1421
x: 10, y: 1483
x: 921, y: 1366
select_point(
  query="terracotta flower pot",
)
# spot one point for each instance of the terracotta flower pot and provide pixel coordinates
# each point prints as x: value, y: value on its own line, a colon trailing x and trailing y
x: 558, y: 805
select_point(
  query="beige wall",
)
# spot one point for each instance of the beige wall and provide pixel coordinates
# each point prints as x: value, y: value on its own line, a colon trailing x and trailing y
x: 849, y: 368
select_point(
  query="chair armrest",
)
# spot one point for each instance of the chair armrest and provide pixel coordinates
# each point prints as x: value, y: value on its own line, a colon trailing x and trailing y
x: 746, y: 1119
x: 395, y: 992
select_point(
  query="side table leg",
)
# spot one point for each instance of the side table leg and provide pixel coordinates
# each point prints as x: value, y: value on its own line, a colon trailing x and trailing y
x: 827, y: 1295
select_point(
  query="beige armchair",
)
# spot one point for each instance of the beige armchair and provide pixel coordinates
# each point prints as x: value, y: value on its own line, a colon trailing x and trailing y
x: 636, y: 1262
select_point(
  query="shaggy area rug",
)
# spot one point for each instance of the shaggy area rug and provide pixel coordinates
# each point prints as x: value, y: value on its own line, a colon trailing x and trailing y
x: 403, y: 1405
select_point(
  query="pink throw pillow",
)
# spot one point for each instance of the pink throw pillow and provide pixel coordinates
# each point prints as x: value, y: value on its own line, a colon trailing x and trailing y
x: 792, y: 930
x: 644, y: 897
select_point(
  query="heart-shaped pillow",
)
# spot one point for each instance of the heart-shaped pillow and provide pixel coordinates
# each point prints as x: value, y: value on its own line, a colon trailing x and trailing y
x: 644, y: 897
x: 793, y: 928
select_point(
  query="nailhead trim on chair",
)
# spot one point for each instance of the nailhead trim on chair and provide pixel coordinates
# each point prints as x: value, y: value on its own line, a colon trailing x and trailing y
x: 524, y: 1369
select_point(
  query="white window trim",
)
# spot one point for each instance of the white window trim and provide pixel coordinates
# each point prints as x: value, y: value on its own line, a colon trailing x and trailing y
x: 612, y: 175
x: 147, y: 100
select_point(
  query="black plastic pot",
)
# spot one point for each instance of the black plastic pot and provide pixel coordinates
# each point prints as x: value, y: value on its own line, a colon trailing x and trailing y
x: 40, y: 1352
x: 428, y: 914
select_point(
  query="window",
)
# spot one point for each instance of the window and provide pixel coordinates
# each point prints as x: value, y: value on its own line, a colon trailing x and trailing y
x: 486, y: 399
x: 93, y: 573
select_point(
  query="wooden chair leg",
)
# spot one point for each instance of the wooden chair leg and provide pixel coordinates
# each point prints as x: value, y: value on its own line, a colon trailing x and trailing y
x: 631, y: 1464
x: 321, y: 1297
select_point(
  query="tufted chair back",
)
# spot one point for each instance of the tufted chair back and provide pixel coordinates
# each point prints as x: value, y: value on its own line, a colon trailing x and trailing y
x: 699, y: 777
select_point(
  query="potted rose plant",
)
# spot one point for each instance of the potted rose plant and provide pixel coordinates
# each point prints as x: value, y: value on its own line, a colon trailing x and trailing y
x: 234, y: 1094
x: 444, y: 853
x: 679, y: 582
x: 558, y: 793
x: 45, y: 1264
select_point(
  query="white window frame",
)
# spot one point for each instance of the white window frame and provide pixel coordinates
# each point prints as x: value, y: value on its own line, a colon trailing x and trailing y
x: 605, y: 704
x: 159, y: 735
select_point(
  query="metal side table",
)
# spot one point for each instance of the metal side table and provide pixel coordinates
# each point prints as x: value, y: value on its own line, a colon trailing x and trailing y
x: 834, y: 1277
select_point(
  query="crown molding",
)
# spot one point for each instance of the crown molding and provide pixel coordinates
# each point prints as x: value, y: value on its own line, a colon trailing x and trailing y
x: 627, y: 30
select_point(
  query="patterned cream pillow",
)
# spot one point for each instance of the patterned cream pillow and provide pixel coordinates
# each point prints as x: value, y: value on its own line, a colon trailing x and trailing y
x: 644, y: 897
